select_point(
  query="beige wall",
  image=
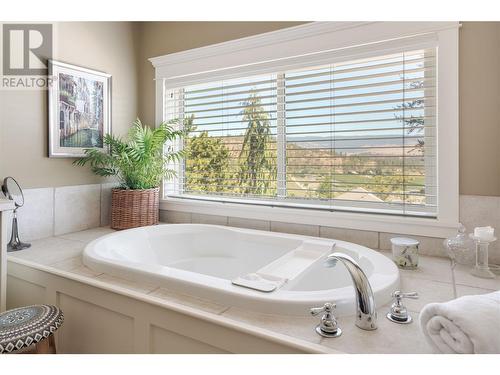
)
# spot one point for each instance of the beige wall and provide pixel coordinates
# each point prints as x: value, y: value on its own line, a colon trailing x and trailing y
x: 108, y: 47
x: 161, y: 38
x: 479, y: 85
x: 122, y: 49
x: 480, y: 108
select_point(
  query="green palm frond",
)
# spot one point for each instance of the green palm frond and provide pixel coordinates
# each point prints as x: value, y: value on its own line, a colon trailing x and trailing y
x: 140, y: 162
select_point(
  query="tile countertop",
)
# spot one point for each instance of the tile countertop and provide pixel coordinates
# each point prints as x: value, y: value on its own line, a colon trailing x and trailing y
x: 432, y: 280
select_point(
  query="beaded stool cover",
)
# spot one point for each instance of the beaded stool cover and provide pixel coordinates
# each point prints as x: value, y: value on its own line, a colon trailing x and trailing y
x: 24, y: 326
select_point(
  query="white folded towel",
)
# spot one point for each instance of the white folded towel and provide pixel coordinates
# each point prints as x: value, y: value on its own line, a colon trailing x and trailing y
x: 466, y: 325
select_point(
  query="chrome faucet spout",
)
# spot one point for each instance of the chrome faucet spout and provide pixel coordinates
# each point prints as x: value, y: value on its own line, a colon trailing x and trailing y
x: 366, y: 313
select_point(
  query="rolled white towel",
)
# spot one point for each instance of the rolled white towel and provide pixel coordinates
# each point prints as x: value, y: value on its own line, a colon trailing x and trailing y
x: 465, y: 325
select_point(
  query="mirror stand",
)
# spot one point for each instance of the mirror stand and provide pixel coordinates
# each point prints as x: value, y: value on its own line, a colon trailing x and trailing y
x: 13, y: 191
x: 15, y: 243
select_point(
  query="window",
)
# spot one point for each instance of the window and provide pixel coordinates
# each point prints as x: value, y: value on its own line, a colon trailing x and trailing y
x: 348, y: 125
x: 355, y: 135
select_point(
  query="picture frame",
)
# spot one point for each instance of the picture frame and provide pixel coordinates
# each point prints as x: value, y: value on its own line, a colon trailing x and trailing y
x: 79, y: 101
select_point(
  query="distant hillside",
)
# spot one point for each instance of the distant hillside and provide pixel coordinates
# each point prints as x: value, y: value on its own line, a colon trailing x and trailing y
x: 353, y: 145
x: 317, y: 145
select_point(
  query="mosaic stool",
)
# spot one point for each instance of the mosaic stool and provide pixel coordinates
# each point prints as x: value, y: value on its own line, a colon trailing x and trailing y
x: 25, y: 326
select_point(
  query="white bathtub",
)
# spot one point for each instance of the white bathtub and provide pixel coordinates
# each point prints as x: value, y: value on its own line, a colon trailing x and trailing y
x: 201, y: 261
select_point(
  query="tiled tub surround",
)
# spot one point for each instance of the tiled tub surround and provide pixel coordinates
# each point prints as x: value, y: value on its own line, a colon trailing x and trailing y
x: 59, y: 210
x: 55, y: 211
x: 474, y: 211
x: 61, y: 256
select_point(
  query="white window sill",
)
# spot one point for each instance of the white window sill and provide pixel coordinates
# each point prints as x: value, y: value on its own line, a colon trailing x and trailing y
x: 429, y: 227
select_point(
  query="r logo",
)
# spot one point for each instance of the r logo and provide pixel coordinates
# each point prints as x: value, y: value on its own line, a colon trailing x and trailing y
x: 26, y: 48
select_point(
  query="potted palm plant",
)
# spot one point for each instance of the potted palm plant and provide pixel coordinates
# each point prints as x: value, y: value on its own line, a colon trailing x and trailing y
x: 140, y: 163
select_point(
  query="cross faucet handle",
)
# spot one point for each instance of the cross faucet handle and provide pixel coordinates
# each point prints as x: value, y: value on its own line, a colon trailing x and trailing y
x: 398, y: 312
x: 327, y: 326
x: 400, y: 295
x: 327, y: 308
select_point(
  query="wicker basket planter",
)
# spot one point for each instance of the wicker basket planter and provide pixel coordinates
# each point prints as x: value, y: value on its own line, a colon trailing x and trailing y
x: 134, y: 208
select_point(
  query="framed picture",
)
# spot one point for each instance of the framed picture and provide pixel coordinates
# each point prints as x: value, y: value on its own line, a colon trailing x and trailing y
x: 79, y: 109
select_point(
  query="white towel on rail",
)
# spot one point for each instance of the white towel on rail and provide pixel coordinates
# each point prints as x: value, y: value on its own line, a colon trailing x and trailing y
x: 469, y: 324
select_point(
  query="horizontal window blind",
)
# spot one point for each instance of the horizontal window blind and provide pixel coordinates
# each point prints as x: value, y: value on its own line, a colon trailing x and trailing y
x: 357, y: 136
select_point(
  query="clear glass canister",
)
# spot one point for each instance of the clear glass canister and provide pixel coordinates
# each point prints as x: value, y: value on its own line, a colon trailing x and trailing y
x: 405, y: 252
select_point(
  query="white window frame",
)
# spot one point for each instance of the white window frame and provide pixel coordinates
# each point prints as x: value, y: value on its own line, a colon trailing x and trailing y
x: 319, y: 43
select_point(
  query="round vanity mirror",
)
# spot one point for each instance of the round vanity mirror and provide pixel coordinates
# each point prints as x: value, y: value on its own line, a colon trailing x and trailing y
x: 13, y: 191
